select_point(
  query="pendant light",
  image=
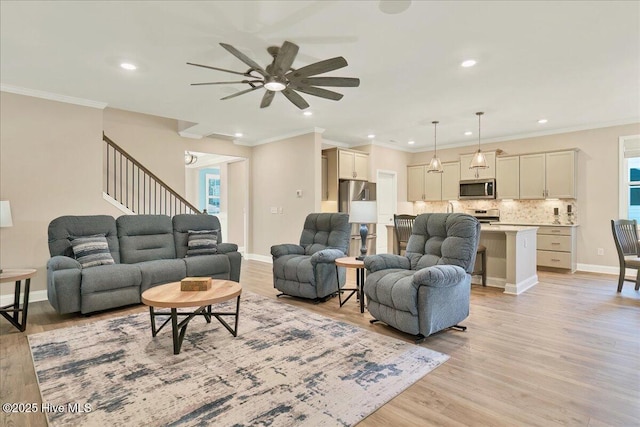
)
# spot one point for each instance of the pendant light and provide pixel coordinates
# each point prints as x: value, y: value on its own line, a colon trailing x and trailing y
x: 435, y: 165
x: 478, y: 161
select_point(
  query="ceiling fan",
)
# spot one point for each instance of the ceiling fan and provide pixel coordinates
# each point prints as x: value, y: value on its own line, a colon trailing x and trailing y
x: 280, y: 77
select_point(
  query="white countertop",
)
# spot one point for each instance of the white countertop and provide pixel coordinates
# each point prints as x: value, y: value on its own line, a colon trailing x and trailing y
x: 533, y: 224
x: 499, y: 227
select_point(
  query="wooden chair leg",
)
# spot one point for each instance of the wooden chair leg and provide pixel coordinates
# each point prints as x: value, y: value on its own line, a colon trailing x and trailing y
x: 621, y: 279
x: 484, y: 269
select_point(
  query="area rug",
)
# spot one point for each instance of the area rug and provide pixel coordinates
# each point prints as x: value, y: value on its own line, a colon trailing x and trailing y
x: 287, y: 367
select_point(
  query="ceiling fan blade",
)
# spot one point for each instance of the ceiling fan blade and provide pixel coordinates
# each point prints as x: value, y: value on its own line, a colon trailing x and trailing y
x: 297, y: 100
x: 330, y: 81
x: 224, y: 83
x: 267, y: 98
x: 244, y: 58
x: 218, y: 69
x: 316, y: 91
x: 242, y: 92
x: 285, y: 57
x: 318, y: 68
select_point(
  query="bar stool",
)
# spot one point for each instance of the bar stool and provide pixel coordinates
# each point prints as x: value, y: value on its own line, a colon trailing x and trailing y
x: 482, y: 252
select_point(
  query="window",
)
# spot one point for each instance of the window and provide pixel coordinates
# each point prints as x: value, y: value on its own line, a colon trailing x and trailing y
x: 630, y: 177
x: 210, y: 190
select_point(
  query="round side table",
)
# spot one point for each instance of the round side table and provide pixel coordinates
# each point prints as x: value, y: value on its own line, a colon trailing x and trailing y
x: 12, y: 312
x: 352, y: 262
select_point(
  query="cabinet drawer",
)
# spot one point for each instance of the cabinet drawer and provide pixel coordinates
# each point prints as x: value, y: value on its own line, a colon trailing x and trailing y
x: 554, y: 243
x: 554, y: 259
x: 562, y: 231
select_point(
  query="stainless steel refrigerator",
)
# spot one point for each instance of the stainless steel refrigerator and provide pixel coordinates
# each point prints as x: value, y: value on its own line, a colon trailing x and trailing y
x: 348, y: 191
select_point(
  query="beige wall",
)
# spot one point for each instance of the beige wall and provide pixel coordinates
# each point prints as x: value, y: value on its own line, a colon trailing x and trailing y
x: 236, y: 201
x: 278, y: 169
x: 49, y: 152
x: 597, y: 173
x: 49, y: 155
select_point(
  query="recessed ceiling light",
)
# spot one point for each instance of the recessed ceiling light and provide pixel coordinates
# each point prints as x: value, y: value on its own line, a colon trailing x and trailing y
x: 238, y: 134
x: 542, y: 121
x: 411, y: 142
x: 468, y: 63
x: 467, y: 133
x: 371, y: 136
x: 307, y: 113
x: 128, y: 66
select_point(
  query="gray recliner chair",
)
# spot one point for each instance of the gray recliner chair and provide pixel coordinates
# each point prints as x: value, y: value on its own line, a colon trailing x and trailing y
x: 426, y: 290
x: 308, y: 270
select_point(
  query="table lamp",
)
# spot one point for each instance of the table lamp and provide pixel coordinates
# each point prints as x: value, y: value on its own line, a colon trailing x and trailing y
x: 363, y: 212
x: 5, y: 216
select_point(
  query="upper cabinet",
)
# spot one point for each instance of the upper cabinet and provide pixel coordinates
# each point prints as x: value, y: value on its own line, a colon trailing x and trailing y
x: 450, y: 181
x: 431, y: 187
x: 467, y: 173
x: 353, y: 165
x: 548, y: 175
x: 560, y: 174
x: 508, y: 177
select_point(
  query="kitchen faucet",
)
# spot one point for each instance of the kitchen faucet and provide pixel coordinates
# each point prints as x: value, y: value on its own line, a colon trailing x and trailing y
x: 450, y: 207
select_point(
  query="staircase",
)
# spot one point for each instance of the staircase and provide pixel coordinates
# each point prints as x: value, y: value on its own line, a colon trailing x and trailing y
x: 135, y: 188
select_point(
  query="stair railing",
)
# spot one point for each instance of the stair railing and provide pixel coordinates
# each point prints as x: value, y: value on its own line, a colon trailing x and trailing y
x: 138, y: 189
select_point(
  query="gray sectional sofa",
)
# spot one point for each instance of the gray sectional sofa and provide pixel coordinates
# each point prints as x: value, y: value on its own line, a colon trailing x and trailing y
x: 146, y: 250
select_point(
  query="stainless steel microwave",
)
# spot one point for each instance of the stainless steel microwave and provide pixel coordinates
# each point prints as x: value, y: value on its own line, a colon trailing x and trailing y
x: 478, y: 189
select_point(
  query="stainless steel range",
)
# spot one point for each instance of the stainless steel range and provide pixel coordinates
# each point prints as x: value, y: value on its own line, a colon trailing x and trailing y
x: 485, y: 216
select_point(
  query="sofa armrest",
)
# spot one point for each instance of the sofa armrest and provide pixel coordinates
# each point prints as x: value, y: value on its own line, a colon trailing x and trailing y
x: 327, y: 256
x: 286, y: 249
x: 439, y: 276
x: 385, y: 261
x: 225, y: 248
x: 60, y: 262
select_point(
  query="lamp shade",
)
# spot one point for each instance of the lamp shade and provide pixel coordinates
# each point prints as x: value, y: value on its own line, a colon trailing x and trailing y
x: 5, y: 214
x: 363, y: 212
x: 478, y: 161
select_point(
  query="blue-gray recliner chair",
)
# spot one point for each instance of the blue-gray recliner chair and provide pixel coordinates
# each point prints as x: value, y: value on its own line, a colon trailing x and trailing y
x: 426, y: 290
x: 308, y: 270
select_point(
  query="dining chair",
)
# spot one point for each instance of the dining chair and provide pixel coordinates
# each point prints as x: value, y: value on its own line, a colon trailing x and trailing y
x: 625, y: 236
x: 402, y: 226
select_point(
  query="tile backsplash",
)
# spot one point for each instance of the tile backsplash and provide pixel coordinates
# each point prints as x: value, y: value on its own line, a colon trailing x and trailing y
x: 519, y: 211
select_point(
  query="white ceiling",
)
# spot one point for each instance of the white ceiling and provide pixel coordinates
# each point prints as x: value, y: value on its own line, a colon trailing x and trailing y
x: 574, y: 63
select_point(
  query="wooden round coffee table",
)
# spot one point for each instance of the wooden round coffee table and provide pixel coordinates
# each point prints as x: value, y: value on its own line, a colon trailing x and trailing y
x: 170, y: 296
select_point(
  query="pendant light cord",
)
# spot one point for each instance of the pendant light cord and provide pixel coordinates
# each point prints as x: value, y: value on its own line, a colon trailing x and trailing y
x: 479, y: 114
x: 435, y: 138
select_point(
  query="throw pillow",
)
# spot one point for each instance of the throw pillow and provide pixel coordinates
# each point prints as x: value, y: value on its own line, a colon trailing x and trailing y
x: 202, y: 242
x: 92, y: 250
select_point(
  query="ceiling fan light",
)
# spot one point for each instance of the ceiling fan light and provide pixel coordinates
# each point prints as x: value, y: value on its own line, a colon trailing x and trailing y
x: 275, y: 84
x: 478, y: 161
x: 435, y: 165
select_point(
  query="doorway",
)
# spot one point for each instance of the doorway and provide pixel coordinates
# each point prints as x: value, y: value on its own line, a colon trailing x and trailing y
x: 387, y: 197
x: 220, y: 184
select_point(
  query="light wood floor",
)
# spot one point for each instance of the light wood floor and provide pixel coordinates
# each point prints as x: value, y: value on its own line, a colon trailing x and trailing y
x: 567, y: 352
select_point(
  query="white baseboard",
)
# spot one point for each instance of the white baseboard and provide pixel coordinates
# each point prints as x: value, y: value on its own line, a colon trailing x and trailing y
x: 604, y: 269
x: 518, y: 288
x: 34, y: 296
x: 261, y: 258
x: 117, y: 204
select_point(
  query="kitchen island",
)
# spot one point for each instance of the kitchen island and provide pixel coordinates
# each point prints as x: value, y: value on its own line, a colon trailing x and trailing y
x: 511, y: 256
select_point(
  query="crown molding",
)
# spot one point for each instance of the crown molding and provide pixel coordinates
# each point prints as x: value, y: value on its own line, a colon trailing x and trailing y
x: 280, y: 137
x: 52, y: 96
x: 190, y: 135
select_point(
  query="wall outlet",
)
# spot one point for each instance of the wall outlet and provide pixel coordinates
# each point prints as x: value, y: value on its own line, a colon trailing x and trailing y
x: 298, y: 193
x: 600, y: 251
x: 525, y: 242
x: 280, y: 210
x: 274, y: 210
